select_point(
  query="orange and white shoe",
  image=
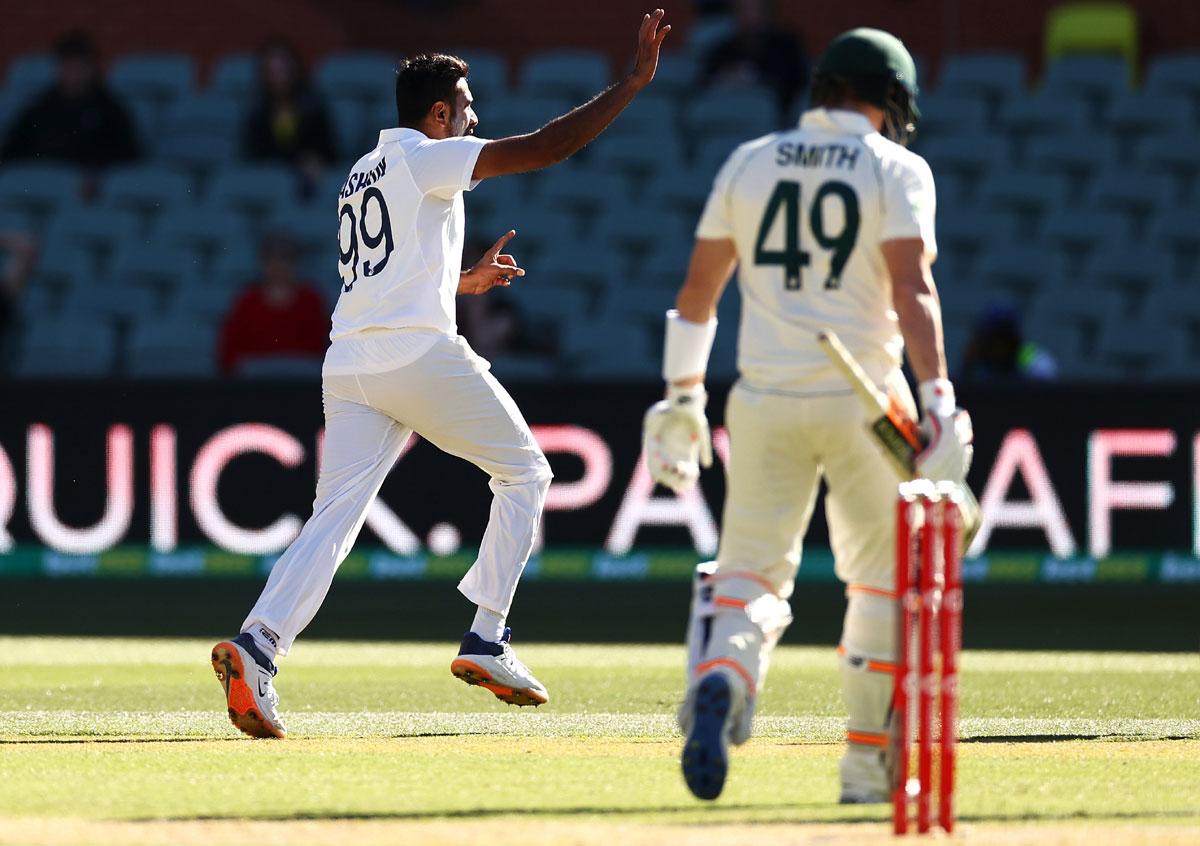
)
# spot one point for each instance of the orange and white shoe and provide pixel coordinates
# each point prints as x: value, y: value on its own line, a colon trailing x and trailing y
x: 495, y: 667
x: 248, y: 676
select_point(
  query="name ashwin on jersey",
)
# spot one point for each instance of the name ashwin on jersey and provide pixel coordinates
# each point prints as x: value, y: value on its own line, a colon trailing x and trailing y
x: 837, y: 156
x: 358, y: 181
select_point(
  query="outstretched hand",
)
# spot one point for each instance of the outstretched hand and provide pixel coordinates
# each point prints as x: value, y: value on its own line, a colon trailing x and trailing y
x: 495, y: 270
x: 650, y: 39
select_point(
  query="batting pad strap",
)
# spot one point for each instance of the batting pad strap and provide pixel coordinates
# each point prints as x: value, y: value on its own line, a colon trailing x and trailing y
x: 687, y: 347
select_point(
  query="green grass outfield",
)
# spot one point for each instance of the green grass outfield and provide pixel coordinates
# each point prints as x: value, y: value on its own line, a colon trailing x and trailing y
x: 126, y: 741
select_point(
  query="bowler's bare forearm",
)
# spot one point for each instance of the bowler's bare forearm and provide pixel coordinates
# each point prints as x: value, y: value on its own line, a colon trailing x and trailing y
x: 560, y: 139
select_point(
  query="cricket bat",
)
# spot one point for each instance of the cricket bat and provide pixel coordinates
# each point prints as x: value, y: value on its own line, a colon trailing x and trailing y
x: 893, y: 427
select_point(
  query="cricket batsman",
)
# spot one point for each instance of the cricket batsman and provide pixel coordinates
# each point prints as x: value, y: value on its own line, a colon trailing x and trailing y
x: 831, y: 227
x: 397, y: 365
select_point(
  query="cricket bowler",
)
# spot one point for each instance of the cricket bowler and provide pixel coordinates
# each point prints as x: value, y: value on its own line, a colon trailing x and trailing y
x: 397, y: 365
x: 831, y: 228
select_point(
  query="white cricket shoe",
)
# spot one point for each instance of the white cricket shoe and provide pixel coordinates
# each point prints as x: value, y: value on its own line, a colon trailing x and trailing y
x: 248, y: 676
x: 495, y: 667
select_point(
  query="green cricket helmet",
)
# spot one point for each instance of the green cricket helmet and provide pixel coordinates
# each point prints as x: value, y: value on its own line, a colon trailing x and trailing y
x: 873, y: 66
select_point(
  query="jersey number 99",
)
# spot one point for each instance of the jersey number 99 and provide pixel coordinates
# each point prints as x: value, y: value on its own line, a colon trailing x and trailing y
x: 792, y: 257
x: 373, y: 259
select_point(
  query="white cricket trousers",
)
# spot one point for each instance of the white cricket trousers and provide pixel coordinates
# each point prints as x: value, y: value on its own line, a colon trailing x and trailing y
x: 780, y: 447
x: 448, y: 397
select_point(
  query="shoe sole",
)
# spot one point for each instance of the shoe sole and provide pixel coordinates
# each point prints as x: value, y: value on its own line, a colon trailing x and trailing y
x: 705, y: 761
x: 243, y: 710
x: 473, y: 674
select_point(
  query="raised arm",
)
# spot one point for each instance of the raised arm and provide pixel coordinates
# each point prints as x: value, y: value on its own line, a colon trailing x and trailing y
x: 566, y: 135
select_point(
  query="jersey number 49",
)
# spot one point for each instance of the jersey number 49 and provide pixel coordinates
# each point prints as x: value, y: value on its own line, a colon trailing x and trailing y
x: 792, y: 257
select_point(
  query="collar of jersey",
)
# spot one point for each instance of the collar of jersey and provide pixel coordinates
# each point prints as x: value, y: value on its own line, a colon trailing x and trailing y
x: 839, y: 120
x: 397, y: 133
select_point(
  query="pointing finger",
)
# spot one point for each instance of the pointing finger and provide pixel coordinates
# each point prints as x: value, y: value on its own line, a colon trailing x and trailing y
x: 504, y: 239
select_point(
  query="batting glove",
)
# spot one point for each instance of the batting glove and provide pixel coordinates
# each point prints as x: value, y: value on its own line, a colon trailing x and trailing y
x: 676, y: 439
x: 948, y: 446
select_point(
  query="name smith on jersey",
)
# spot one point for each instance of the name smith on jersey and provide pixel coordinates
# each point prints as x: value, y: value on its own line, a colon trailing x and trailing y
x: 837, y: 156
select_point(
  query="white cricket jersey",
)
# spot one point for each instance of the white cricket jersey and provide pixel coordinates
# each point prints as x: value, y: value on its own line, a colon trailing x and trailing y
x: 808, y: 209
x: 400, y: 237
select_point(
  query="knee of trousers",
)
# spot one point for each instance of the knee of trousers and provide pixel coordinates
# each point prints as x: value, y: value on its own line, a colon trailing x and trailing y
x: 867, y: 665
x: 534, y: 471
x: 736, y: 619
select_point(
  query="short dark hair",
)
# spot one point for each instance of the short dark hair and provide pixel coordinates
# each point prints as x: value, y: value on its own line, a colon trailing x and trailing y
x: 424, y: 80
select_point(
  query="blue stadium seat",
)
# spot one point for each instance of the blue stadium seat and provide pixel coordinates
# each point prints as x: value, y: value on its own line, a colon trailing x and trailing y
x: 711, y: 154
x: 678, y: 188
x: 952, y: 114
x: 1083, y: 230
x: 1136, y: 115
x: 235, y: 77
x: 361, y: 75
x: 158, y: 77
x: 200, y: 132
x: 148, y: 190
x: 742, y: 114
x: 520, y: 114
x: 539, y: 229
x: 11, y: 103
x: 202, y: 234
x: 1026, y: 193
x: 575, y: 266
x: 491, y: 196
x: 600, y: 349
x: 254, y: 190
x: 29, y: 73
x: 993, y: 76
x: 1046, y: 113
x: 38, y: 189
x: 966, y: 159
x: 59, y: 266
x: 1174, y: 73
x: 1137, y: 194
x: 162, y: 349
x: 1020, y: 269
x: 208, y: 299
x: 1069, y: 326
x: 1140, y: 348
x: 356, y: 127
x: 1177, y: 229
x: 637, y: 157
x: 108, y: 299
x: 1178, y: 155
x: 1131, y: 268
x: 639, y: 230
x: 70, y: 346
x: 677, y: 77
x: 965, y: 232
x: 586, y: 190
x: 153, y: 267
x: 97, y: 230
x: 1097, y: 78
x: 574, y: 74
x: 551, y: 308
x: 487, y: 76
x: 1082, y: 154
x: 654, y: 120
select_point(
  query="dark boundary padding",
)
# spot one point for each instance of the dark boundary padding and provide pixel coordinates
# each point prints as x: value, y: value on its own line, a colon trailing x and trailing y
x: 1068, y: 617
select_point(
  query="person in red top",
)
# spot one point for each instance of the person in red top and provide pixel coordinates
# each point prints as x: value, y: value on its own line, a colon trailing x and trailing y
x: 280, y: 316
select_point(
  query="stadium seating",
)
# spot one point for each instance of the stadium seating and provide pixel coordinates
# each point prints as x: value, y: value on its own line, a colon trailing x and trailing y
x: 1073, y: 198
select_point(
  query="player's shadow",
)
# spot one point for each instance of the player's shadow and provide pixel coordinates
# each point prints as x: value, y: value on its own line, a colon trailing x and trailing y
x: 1054, y: 738
x: 34, y: 741
x: 720, y: 816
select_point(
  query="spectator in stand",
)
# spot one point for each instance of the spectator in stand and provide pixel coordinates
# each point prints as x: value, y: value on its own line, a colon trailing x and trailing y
x: 997, y: 351
x: 281, y: 316
x: 758, y: 53
x: 77, y: 119
x: 18, y: 253
x: 288, y: 123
